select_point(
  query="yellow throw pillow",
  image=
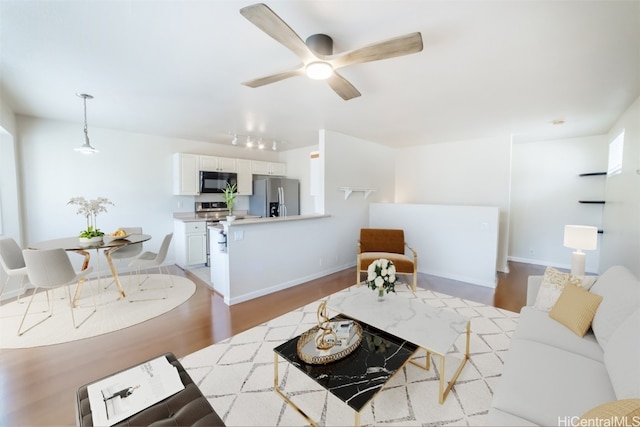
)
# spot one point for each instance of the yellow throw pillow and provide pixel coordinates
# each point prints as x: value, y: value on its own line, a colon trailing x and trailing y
x: 575, y: 308
x: 617, y: 413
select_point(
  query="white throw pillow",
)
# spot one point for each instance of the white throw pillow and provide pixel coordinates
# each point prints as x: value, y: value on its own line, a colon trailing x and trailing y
x: 553, y: 282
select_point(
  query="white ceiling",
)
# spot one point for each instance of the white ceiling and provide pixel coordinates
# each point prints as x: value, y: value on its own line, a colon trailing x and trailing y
x: 174, y: 68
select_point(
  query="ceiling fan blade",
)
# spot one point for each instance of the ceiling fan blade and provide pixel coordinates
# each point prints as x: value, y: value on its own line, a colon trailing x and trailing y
x: 266, y: 19
x: 398, y: 46
x: 261, y: 81
x: 342, y: 87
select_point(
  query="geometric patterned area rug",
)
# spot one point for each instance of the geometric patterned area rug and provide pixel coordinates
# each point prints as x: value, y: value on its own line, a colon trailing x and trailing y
x: 237, y: 374
x: 111, y: 313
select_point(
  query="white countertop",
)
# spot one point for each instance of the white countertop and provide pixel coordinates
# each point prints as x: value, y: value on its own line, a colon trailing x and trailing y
x: 258, y: 220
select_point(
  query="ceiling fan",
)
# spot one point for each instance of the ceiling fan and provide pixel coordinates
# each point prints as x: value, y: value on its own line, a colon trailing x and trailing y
x: 318, y: 59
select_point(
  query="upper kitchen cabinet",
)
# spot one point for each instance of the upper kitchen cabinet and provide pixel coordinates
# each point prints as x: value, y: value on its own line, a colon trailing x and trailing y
x: 217, y: 164
x: 268, y: 168
x: 245, y: 179
x: 186, y: 174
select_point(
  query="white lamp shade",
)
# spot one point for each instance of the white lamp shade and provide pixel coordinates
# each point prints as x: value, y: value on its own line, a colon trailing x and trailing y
x: 583, y: 237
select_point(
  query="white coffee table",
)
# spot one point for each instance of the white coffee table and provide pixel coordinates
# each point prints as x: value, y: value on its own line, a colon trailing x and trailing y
x: 433, y: 329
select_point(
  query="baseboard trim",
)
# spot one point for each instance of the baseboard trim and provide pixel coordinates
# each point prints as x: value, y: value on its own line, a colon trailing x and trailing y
x: 281, y: 286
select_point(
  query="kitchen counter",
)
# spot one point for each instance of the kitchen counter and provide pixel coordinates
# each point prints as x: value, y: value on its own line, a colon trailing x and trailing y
x: 244, y: 219
x: 249, y: 220
x: 265, y: 255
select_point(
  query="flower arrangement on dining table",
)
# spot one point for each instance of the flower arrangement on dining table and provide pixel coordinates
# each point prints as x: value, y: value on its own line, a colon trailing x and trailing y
x: 381, y: 276
x: 90, y: 210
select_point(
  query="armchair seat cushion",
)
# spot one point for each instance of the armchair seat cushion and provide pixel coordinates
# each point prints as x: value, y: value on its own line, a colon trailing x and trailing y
x: 403, y: 263
x: 377, y: 243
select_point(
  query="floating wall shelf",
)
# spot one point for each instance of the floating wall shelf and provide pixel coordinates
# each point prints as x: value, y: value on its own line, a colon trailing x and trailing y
x: 349, y: 190
x: 593, y: 174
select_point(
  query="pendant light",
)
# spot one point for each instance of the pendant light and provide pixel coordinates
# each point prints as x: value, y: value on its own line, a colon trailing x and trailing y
x: 85, y: 148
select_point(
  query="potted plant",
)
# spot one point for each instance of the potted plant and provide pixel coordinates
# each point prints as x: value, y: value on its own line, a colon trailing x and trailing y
x: 90, y: 209
x: 230, y: 198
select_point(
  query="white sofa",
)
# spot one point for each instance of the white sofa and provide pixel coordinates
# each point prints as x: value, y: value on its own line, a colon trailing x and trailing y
x: 552, y: 376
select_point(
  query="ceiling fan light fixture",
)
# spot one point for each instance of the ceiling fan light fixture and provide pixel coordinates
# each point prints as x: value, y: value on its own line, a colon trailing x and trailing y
x: 319, y: 70
x: 85, y: 148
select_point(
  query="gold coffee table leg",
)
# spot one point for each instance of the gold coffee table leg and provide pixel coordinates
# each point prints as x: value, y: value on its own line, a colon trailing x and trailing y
x: 444, y: 392
x: 283, y: 396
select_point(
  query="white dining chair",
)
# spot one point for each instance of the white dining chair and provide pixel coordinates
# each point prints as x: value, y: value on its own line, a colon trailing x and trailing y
x: 150, y: 259
x: 128, y: 251
x: 50, y: 269
x: 13, y: 264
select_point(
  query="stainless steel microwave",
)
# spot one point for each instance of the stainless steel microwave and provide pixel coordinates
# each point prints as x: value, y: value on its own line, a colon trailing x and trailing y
x: 216, y: 182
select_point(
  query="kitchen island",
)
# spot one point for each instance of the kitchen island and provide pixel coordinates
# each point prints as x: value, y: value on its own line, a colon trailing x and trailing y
x: 265, y: 255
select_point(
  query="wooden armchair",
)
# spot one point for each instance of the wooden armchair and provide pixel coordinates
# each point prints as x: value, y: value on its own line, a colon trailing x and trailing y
x: 378, y: 243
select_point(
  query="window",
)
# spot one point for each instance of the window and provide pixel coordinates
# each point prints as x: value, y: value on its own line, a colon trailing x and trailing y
x: 615, y: 155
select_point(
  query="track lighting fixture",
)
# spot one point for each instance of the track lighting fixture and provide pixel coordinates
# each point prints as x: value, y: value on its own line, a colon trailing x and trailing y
x: 252, y: 141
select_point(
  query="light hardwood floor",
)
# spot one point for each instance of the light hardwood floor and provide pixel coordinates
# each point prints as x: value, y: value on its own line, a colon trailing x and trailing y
x: 38, y: 385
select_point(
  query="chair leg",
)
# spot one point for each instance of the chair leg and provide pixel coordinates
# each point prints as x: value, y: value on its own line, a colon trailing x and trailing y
x: 73, y: 317
x: 23, y: 285
x: 165, y: 287
x: 26, y: 311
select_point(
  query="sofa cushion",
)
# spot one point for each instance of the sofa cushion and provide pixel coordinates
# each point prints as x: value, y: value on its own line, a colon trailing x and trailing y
x: 536, y: 325
x: 622, y: 358
x: 544, y: 384
x: 497, y: 417
x: 575, y: 309
x: 553, y: 282
x: 617, y: 413
x: 621, y: 292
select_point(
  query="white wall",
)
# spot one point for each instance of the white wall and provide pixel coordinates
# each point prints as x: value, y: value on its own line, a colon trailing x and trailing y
x: 471, y: 173
x: 353, y: 162
x: 10, y: 201
x: 621, y: 216
x: 133, y: 170
x: 298, y: 167
x: 545, y: 189
x: 456, y: 242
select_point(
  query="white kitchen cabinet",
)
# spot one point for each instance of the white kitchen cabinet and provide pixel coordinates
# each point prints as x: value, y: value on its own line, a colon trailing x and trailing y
x: 186, y: 174
x: 191, y: 242
x: 245, y: 179
x: 268, y: 168
x: 217, y: 164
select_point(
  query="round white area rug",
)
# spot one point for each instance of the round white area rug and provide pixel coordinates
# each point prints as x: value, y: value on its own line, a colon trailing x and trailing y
x: 111, y: 315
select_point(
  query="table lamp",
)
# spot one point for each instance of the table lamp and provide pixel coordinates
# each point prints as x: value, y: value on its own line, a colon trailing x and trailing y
x: 580, y: 237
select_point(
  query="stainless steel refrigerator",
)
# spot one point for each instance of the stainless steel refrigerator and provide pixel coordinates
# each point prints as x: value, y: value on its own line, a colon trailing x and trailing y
x: 275, y: 197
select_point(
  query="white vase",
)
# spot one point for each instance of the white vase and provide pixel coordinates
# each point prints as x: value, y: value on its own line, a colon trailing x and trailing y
x: 231, y: 218
x: 90, y: 241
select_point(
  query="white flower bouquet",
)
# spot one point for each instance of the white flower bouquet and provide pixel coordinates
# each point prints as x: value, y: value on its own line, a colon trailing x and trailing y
x: 90, y: 209
x: 381, y: 276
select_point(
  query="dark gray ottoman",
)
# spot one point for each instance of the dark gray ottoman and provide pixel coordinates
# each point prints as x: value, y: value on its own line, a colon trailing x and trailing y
x: 185, y: 408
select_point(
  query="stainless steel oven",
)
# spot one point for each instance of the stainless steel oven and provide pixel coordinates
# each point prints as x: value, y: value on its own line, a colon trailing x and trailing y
x: 212, y: 213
